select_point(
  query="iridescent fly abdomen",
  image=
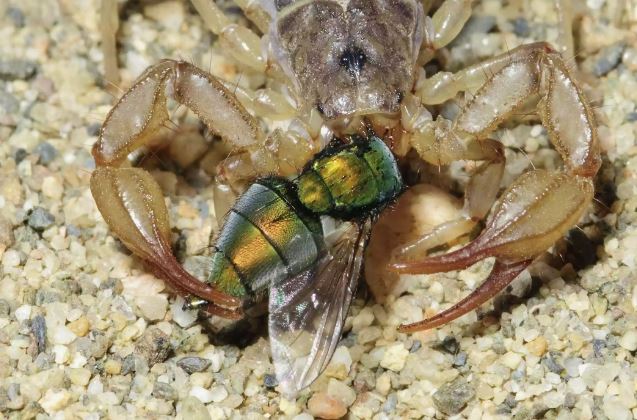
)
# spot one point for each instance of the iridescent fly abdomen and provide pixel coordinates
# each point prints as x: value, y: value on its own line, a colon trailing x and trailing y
x: 273, y: 232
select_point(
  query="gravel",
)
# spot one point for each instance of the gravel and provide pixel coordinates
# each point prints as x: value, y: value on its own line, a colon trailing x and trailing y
x: 86, y: 331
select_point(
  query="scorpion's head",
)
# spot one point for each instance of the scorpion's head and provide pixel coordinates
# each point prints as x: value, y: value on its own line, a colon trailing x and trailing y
x: 349, y: 57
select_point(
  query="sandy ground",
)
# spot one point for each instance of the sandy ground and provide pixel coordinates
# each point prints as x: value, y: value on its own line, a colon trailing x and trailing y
x: 86, y: 332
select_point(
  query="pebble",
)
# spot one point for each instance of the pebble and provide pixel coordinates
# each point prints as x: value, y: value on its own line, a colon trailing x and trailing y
x: 40, y: 219
x: 164, y: 391
x: 395, y: 357
x: 452, y: 397
x: 629, y: 340
x: 153, y: 308
x: 193, y: 364
x: 339, y: 390
x: 270, y: 381
x: 17, y: 69
x: 609, y: 59
x: 23, y: 313
x: 60, y: 334
x: 154, y: 346
x: 521, y: 27
x: 55, y: 400
x: 80, y: 326
x: 538, y: 346
x: 46, y: 153
x: 79, y: 376
x: 193, y: 409
x: 323, y: 406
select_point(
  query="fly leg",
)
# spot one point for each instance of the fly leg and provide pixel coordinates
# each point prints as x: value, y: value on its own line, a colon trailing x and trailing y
x: 540, y: 206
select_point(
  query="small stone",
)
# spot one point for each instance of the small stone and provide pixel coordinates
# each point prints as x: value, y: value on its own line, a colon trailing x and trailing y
x: 55, y: 400
x: 153, y: 346
x: 153, y: 308
x: 23, y: 313
x: 538, y: 346
x: 204, y: 395
x: 183, y: 318
x: 17, y: 69
x: 113, y: 367
x: 390, y: 404
x: 16, y: 16
x: 395, y: 357
x: 193, y: 364
x: 383, y: 383
x: 61, y: 353
x: 52, y: 187
x: 270, y: 381
x: 629, y: 340
x: 40, y: 219
x: 339, y: 390
x: 170, y: 14
x: 460, y: 359
x: 303, y: 416
x: 80, y: 326
x: 326, y: 407
x: 79, y: 376
x: 46, y: 153
x: 164, y: 391
x: 9, y: 103
x: 364, y: 319
x: 521, y: 27
x: 62, y: 335
x: 452, y: 397
x: 511, y: 360
x: 193, y: 409
x: 608, y: 59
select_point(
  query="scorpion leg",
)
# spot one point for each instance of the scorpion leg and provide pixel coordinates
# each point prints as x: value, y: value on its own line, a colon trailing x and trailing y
x: 446, y: 23
x: 540, y: 206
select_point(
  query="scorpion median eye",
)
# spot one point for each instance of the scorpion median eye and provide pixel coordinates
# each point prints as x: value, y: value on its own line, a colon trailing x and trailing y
x: 353, y: 59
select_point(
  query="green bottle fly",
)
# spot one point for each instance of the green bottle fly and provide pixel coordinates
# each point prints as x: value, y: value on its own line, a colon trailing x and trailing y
x: 273, y: 232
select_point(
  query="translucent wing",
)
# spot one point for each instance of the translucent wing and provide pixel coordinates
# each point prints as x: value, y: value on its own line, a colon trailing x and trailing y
x: 307, y: 312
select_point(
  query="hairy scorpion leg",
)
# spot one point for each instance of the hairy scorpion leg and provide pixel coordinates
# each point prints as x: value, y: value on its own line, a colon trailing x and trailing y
x: 540, y: 206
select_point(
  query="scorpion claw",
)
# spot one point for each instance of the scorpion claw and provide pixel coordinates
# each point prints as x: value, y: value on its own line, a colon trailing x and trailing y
x: 533, y: 213
x: 132, y: 204
x: 501, y: 275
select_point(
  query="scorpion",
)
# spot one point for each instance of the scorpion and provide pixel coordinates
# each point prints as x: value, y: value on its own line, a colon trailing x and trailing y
x: 355, y: 74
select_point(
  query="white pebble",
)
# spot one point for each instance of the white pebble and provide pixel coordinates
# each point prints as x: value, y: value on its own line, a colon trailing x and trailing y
x: 577, y: 385
x: 395, y: 357
x: 62, y: 354
x: 339, y: 390
x: 364, y: 319
x: 183, y: 318
x: 52, y: 187
x: 303, y: 416
x: 55, y: 400
x: 23, y: 313
x: 95, y: 387
x: 62, y: 335
x: 511, y: 360
x: 153, y: 308
x: 11, y: 258
x: 342, y: 357
x: 629, y: 340
x: 554, y: 399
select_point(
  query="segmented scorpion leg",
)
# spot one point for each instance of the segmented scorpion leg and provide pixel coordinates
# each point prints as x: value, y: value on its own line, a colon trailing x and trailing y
x: 540, y: 206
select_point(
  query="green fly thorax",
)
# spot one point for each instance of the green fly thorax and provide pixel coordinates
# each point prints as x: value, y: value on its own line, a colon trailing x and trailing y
x: 350, y: 181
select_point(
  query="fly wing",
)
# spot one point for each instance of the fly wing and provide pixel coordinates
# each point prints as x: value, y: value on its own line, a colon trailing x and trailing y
x: 307, y: 312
